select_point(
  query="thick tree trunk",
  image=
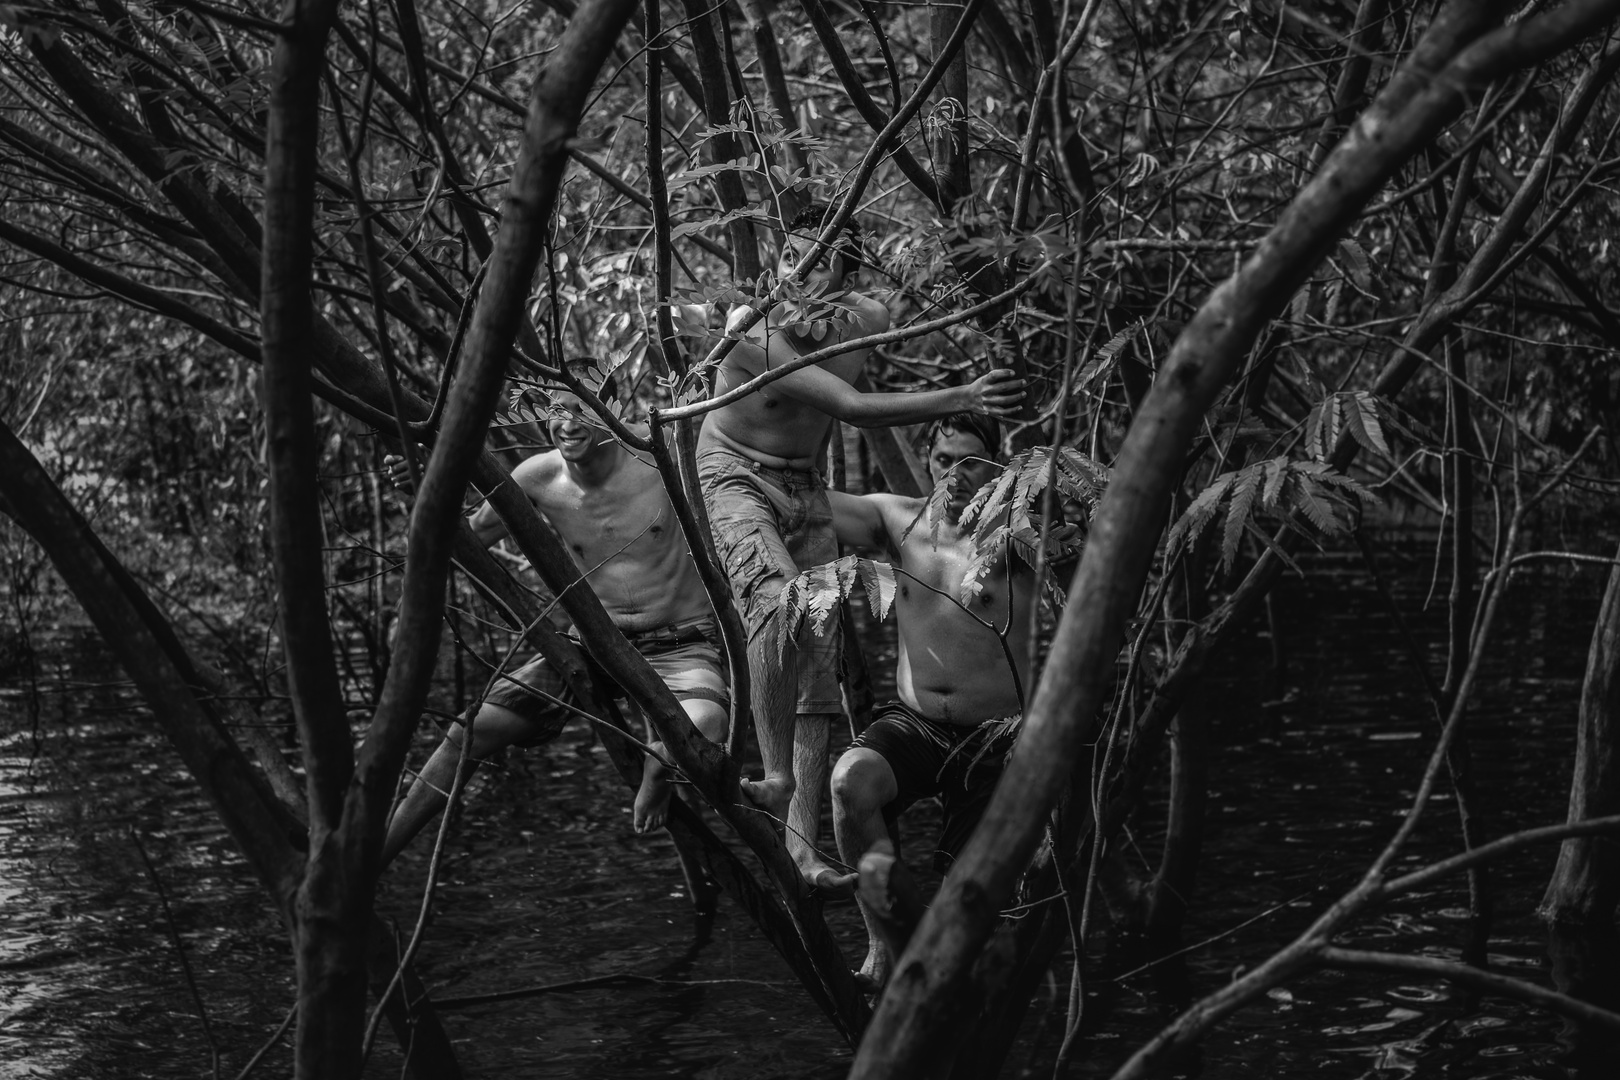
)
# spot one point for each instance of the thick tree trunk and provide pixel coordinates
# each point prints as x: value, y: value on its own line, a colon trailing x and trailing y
x: 347, y: 819
x: 712, y: 47
x: 1585, y: 964
x: 1424, y: 94
x: 1585, y: 885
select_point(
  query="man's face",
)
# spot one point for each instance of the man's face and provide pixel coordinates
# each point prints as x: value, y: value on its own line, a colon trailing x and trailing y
x: 575, y: 431
x: 971, y: 460
x: 829, y: 271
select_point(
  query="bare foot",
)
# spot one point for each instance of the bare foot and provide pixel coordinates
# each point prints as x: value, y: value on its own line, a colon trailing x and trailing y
x: 652, y: 800
x: 828, y: 884
x: 874, y: 970
x: 771, y: 795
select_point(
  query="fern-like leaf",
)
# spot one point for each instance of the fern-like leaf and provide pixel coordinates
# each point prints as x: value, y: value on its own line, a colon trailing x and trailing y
x: 985, y: 557
x: 991, y: 494
x: 1187, y: 529
x: 1106, y: 356
x: 1276, y: 475
x: 826, y: 589
x: 878, y: 577
x: 815, y: 594
x: 1366, y: 408
x: 1357, y: 264
x: 1245, y: 490
x: 1313, y: 501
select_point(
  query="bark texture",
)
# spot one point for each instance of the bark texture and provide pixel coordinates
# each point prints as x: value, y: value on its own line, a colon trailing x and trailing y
x: 1585, y: 885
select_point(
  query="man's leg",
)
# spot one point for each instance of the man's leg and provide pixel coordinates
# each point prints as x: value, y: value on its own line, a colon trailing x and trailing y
x: 652, y: 800
x: 863, y: 783
x: 773, y: 674
x: 743, y: 517
x: 810, y: 768
x: 494, y: 728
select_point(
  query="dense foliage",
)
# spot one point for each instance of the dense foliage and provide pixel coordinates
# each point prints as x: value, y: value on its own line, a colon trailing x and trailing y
x: 1064, y: 202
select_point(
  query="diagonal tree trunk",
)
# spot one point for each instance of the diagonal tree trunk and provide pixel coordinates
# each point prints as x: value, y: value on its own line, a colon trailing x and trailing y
x: 1427, y: 92
x: 147, y: 648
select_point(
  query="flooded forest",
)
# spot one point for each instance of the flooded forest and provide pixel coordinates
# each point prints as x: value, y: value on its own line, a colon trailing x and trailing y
x: 360, y: 360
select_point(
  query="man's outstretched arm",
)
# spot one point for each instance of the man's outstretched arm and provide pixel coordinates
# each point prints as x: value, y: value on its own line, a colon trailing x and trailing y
x: 999, y: 394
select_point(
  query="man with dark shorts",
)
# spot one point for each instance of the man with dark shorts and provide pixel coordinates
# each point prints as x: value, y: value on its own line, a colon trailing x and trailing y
x: 610, y: 508
x: 962, y: 663
x: 768, y: 510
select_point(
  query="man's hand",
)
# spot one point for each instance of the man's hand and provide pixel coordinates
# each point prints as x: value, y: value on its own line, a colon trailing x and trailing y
x: 998, y: 393
x: 398, y: 473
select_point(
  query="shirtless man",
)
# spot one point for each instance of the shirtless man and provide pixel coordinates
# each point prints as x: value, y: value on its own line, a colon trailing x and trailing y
x: 611, y: 509
x: 952, y: 675
x: 768, y: 510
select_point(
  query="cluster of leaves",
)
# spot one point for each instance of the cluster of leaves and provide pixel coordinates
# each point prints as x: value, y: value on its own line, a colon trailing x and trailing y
x: 1280, y: 489
x: 1001, y: 516
x: 533, y: 401
x: 814, y: 595
x: 1363, y: 417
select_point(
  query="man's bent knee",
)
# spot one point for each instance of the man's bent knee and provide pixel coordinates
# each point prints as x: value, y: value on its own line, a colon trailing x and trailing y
x: 709, y: 717
x: 862, y: 779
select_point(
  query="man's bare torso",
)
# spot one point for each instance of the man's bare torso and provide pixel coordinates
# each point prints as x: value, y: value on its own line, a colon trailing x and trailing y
x: 952, y: 667
x: 624, y: 537
x: 770, y: 426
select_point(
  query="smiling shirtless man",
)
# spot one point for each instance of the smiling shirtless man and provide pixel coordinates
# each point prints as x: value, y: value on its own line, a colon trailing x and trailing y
x: 610, y: 508
x: 768, y: 509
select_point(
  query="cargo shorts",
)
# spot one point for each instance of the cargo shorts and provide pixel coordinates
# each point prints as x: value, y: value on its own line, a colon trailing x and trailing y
x: 685, y: 655
x: 774, y: 523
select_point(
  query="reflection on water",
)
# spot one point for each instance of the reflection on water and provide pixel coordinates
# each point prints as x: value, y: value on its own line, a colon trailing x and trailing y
x: 545, y: 884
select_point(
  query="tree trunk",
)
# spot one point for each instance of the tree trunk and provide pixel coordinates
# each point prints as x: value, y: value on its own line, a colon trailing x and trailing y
x: 1184, y: 833
x: 147, y: 648
x: 1585, y: 885
x: 1585, y: 964
x: 1459, y: 755
x: 948, y: 146
x: 1427, y: 92
x: 712, y: 47
x: 423, y: 1041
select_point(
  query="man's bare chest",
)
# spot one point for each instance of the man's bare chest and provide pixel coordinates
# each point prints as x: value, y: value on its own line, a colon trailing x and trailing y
x: 947, y: 582
x: 601, y: 524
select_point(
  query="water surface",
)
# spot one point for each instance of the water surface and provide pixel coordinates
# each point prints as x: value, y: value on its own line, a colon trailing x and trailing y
x: 545, y: 884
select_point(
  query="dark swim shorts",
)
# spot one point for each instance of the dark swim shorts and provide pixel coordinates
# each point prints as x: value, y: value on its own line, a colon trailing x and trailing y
x: 685, y: 655
x: 959, y: 764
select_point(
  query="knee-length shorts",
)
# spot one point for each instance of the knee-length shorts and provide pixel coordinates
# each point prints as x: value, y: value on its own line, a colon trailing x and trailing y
x: 773, y: 524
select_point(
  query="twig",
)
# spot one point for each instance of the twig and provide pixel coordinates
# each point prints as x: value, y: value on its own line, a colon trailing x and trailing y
x: 591, y: 983
x: 1473, y: 978
x: 253, y: 1062
x: 179, y: 949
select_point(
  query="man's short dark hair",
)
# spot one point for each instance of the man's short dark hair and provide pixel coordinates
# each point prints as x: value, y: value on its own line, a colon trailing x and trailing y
x: 813, y: 218
x: 982, y: 427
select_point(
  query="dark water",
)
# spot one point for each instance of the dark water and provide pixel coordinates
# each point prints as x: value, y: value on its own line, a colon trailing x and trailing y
x: 545, y: 884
